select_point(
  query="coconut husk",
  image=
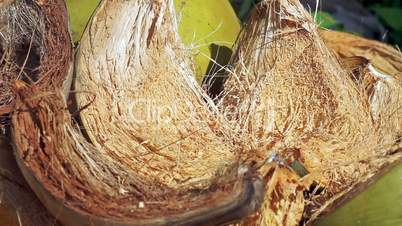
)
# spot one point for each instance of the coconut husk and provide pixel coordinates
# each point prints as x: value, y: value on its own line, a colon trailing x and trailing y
x: 296, y: 126
x: 23, y: 48
x: 376, y: 68
x: 153, y: 108
x: 28, y: 50
x: 384, y: 57
x: 297, y: 105
x: 182, y: 168
x: 18, y: 203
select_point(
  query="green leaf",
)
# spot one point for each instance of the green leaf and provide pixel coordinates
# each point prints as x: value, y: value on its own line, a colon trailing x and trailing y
x: 80, y: 11
x: 378, y: 205
x: 326, y: 20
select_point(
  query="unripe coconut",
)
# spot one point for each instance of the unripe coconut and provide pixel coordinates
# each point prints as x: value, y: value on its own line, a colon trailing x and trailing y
x: 201, y: 24
x: 208, y: 28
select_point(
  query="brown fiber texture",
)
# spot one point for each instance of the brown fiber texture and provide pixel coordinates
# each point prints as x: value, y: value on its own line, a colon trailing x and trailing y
x: 18, y: 203
x: 292, y: 100
x: 180, y: 167
x: 302, y: 125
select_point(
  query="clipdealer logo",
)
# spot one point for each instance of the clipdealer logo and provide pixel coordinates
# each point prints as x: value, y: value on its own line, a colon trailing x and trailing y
x: 145, y: 111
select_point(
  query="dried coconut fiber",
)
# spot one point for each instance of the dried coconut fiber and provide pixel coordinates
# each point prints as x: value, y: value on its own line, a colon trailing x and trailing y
x: 298, y: 107
x: 383, y: 57
x: 151, y: 148
x: 179, y: 167
x: 18, y: 204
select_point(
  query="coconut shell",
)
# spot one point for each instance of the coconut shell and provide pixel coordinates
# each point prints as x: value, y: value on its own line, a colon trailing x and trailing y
x: 297, y: 104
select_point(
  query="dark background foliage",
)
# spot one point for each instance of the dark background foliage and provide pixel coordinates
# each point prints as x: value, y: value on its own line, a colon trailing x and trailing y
x: 375, y: 19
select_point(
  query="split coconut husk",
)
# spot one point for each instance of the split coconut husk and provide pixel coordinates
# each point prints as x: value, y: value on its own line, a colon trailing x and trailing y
x: 383, y: 57
x: 24, y: 44
x: 178, y: 167
x: 297, y: 127
x: 298, y: 106
x: 377, y: 69
x: 19, y: 205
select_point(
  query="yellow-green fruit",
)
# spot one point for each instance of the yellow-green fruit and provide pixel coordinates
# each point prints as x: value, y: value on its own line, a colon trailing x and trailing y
x: 201, y: 24
x: 80, y: 11
x: 206, y: 22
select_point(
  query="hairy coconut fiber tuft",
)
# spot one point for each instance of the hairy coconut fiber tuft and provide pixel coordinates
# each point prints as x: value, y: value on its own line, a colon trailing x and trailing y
x: 296, y: 105
x: 25, y: 45
x: 154, y: 150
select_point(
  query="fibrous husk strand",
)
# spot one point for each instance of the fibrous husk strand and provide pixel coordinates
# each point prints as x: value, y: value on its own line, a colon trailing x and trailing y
x: 26, y: 42
x: 158, y: 123
x: 19, y: 205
